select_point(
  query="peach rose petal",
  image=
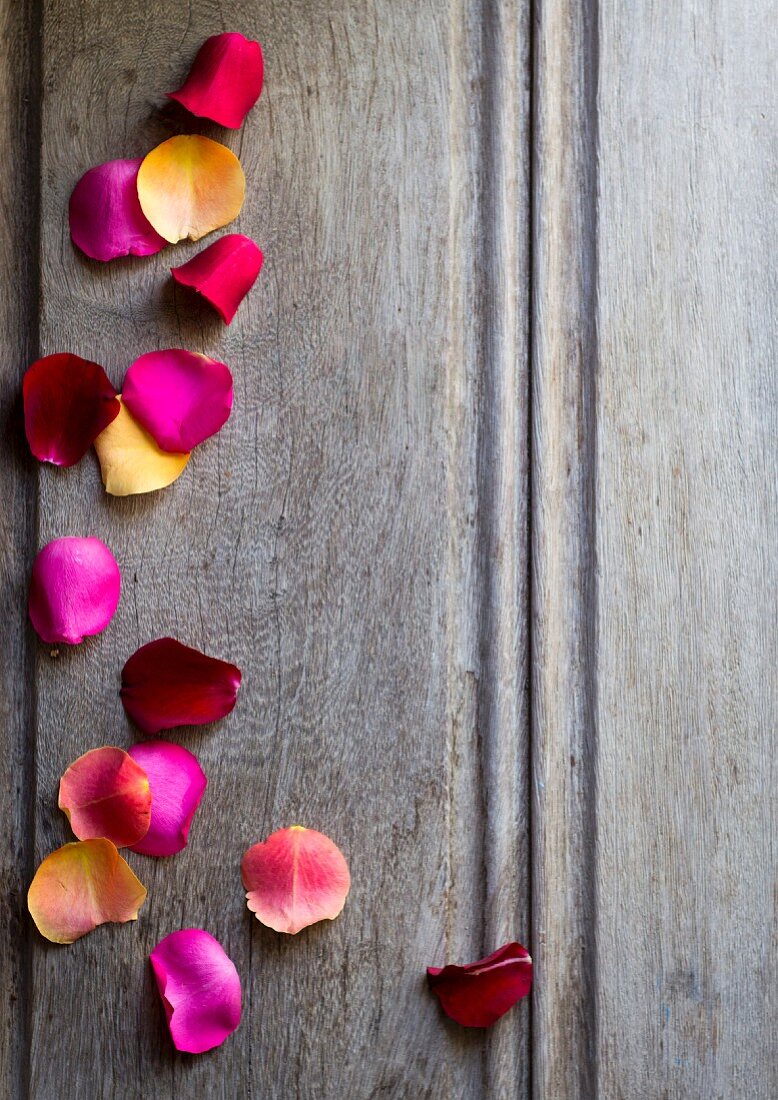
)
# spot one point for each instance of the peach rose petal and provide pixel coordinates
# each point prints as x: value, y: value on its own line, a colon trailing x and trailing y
x: 80, y: 886
x: 177, y: 786
x: 223, y: 273
x: 199, y: 987
x: 130, y: 460
x: 180, y: 397
x: 296, y: 878
x: 225, y: 80
x: 74, y: 590
x: 189, y: 186
x: 106, y: 793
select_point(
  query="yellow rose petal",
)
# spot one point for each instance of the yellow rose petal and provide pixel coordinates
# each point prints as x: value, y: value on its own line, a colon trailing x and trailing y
x: 130, y: 460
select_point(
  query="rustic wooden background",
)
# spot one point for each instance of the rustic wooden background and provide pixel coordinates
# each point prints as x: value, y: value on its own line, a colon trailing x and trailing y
x: 491, y: 532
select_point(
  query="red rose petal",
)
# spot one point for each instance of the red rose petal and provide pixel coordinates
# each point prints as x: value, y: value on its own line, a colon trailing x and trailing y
x: 167, y: 684
x: 179, y: 397
x: 223, y: 273
x: 105, y: 793
x: 106, y: 219
x: 68, y: 401
x: 296, y: 878
x: 74, y: 589
x: 478, y: 994
x: 177, y: 785
x: 225, y: 80
x: 199, y: 987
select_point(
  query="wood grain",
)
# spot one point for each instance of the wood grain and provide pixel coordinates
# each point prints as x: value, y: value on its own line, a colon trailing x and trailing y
x: 355, y: 539
x: 654, y: 443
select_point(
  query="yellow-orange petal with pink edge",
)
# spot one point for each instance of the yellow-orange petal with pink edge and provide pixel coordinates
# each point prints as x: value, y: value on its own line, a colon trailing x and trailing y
x: 296, y: 878
x: 106, y: 793
x: 130, y: 460
x: 190, y: 185
x: 80, y: 886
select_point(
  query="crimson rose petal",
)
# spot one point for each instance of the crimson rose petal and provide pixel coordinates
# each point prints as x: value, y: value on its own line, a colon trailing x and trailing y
x: 68, y: 401
x: 167, y: 684
x: 106, y: 219
x: 225, y: 80
x: 177, y: 784
x: 74, y: 589
x: 199, y: 987
x: 223, y: 273
x: 478, y: 994
x: 180, y: 397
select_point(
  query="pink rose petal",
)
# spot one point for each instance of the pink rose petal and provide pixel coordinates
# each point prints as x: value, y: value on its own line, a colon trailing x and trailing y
x: 199, y: 987
x: 225, y: 80
x: 179, y: 397
x: 74, y: 589
x: 223, y: 273
x: 68, y: 401
x: 106, y: 219
x: 177, y: 784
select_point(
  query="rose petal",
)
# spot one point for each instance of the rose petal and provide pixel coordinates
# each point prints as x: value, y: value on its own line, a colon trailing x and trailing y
x: 68, y: 401
x: 177, y: 785
x: 223, y: 273
x: 190, y: 185
x: 131, y: 461
x: 167, y: 684
x: 106, y: 793
x: 179, y: 397
x: 199, y: 987
x: 106, y: 219
x: 80, y: 886
x: 478, y: 994
x: 225, y: 80
x: 74, y: 589
x: 296, y: 878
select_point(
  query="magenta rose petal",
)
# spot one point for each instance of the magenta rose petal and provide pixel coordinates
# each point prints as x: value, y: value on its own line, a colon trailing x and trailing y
x: 479, y: 993
x: 68, y: 402
x: 106, y: 219
x: 180, y: 397
x: 199, y: 987
x: 223, y: 273
x: 224, y: 81
x: 167, y: 684
x: 74, y: 589
x: 177, y: 784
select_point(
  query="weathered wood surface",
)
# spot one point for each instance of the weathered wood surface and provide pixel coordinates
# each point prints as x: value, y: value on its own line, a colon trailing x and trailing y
x: 655, y: 694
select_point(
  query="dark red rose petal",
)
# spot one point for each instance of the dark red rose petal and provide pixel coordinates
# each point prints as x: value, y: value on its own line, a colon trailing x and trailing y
x: 68, y: 401
x: 478, y: 994
x: 225, y: 80
x: 223, y: 273
x: 167, y: 684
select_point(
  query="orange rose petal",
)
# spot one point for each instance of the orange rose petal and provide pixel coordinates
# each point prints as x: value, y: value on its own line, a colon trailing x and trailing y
x: 131, y: 461
x: 189, y: 186
x: 80, y: 886
x: 105, y: 793
x: 296, y: 878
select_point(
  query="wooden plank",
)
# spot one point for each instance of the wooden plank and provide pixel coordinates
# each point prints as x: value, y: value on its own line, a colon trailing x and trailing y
x: 19, y: 88
x: 655, y: 510
x: 354, y: 538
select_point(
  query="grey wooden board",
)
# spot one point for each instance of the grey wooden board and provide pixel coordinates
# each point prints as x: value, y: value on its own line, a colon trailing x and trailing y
x: 355, y: 539
x: 655, y: 693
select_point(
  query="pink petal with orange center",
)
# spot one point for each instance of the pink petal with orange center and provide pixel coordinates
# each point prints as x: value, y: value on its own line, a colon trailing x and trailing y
x: 177, y: 785
x: 167, y: 684
x: 479, y: 993
x: 296, y: 878
x: 106, y: 793
x: 225, y: 80
x: 106, y: 219
x: 199, y: 987
x: 180, y: 397
x: 223, y: 273
x: 80, y: 886
x: 74, y: 589
x: 68, y: 401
